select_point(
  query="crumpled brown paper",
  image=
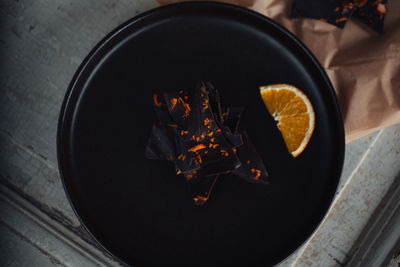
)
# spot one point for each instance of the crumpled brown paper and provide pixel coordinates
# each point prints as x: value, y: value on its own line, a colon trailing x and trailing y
x: 364, y: 66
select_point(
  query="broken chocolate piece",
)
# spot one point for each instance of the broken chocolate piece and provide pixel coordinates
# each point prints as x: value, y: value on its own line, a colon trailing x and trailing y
x: 178, y: 108
x: 372, y: 14
x: 231, y: 124
x: 233, y: 116
x: 159, y: 145
x: 200, y: 187
x: 331, y: 11
x: 215, y: 102
x: 337, y: 12
x: 252, y: 167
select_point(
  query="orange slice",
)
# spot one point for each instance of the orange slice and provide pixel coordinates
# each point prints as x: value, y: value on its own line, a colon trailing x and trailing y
x: 293, y: 112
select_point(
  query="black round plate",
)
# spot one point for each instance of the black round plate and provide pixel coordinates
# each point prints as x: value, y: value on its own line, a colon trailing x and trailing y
x: 138, y: 209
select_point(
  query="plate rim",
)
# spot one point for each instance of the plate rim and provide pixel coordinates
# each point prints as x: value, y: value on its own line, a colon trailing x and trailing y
x: 62, y: 125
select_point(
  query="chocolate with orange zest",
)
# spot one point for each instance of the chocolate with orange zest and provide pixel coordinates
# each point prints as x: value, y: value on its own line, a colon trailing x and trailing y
x: 200, y: 186
x: 338, y: 12
x: 330, y: 11
x: 372, y: 14
x: 203, y: 139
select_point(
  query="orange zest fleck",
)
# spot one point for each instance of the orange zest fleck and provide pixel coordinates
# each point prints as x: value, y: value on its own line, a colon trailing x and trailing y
x: 198, y: 197
x: 212, y: 139
x: 224, y: 153
x: 213, y: 145
x: 210, y: 134
x: 156, y: 102
x: 185, y: 106
x: 181, y: 157
x: 178, y: 171
x: 173, y: 125
x: 206, y: 121
x: 197, y: 139
x: 340, y: 19
x: 199, y: 159
x: 234, y: 150
x: 205, y: 104
x: 248, y: 162
x: 188, y: 176
x: 197, y: 147
x: 184, y: 132
x: 173, y: 102
x: 257, y: 172
x: 381, y: 9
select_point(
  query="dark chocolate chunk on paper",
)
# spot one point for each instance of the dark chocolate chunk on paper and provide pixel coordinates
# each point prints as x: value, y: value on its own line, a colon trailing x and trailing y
x: 335, y: 12
x: 372, y: 14
x: 338, y: 12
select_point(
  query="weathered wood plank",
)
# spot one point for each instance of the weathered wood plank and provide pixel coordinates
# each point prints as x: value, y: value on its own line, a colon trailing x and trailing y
x: 40, y: 233
x: 16, y: 251
x: 380, y: 239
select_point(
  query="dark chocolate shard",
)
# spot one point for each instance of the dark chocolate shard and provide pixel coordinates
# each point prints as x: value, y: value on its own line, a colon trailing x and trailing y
x: 214, y: 154
x: 231, y: 124
x: 335, y: 12
x: 200, y: 187
x: 234, y: 139
x: 204, y: 119
x: 218, y: 161
x: 215, y: 102
x: 184, y: 161
x: 159, y: 145
x: 252, y: 167
x: 160, y: 108
x: 338, y: 12
x: 372, y: 13
x: 179, y: 108
x: 233, y: 116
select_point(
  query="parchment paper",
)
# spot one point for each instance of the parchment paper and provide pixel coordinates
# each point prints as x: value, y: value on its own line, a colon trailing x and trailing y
x: 364, y: 66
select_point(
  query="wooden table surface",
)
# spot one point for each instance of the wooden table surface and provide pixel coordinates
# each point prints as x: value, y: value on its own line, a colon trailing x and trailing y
x: 42, y: 43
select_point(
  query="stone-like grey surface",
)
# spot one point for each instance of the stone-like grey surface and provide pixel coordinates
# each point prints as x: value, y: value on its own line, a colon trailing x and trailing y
x: 354, y: 155
x: 37, y: 236
x: 355, y: 202
x: 380, y: 238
